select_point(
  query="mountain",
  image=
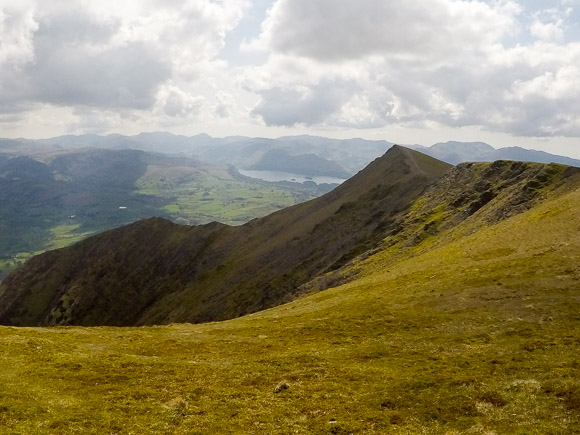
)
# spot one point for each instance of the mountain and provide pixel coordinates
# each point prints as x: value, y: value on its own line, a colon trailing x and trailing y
x: 518, y: 153
x: 155, y: 272
x: 304, y: 164
x: 459, y: 152
x: 245, y: 152
x: 242, y: 152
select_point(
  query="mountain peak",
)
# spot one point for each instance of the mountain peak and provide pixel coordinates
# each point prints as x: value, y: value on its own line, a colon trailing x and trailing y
x: 399, y: 158
x: 215, y: 272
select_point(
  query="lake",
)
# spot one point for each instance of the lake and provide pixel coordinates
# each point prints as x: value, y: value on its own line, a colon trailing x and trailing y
x: 286, y: 176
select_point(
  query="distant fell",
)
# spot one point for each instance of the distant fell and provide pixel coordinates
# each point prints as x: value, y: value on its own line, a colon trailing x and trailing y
x: 246, y: 152
x: 304, y: 164
x: 459, y: 152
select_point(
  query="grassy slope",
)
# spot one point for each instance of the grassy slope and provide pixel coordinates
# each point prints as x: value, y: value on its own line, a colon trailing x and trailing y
x: 478, y: 335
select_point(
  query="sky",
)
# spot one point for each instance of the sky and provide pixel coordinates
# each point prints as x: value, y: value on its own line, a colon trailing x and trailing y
x: 413, y: 72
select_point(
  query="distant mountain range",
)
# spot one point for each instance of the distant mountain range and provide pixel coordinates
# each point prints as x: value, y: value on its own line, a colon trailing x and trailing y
x: 305, y: 155
x: 458, y: 152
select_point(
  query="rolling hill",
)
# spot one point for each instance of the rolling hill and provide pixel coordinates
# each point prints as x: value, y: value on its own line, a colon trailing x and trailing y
x: 464, y: 319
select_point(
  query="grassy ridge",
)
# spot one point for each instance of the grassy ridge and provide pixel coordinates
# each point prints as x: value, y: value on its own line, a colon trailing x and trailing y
x: 478, y: 335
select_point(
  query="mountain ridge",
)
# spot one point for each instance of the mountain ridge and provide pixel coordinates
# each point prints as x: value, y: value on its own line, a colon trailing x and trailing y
x: 243, y: 152
x: 278, y: 247
x: 460, y: 152
x: 169, y: 273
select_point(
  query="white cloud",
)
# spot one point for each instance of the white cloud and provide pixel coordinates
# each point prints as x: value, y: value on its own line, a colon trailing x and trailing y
x: 17, y: 26
x: 326, y: 65
x: 331, y: 30
x: 111, y: 55
x: 549, y: 24
x: 374, y: 64
x: 175, y: 102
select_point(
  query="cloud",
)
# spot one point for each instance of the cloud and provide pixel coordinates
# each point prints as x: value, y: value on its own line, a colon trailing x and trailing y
x: 332, y: 30
x: 452, y: 63
x: 496, y: 65
x: 302, y: 105
x: 110, y: 55
x: 17, y: 26
x: 177, y: 103
x: 549, y: 24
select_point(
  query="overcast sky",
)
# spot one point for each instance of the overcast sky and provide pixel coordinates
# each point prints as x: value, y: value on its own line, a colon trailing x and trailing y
x: 414, y: 71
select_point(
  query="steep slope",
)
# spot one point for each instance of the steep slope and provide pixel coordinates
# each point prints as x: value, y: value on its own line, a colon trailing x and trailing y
x: 477, y: 336
x: 157, y: 272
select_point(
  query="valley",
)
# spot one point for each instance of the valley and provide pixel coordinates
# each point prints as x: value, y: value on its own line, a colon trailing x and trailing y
x: 53, y: 199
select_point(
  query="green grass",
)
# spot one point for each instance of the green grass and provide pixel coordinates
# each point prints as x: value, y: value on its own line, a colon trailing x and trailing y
x: 65, y: 235
x: 217, y: 196
x: 8, y: 265
x: 480, y: 334
x: 60, y: 236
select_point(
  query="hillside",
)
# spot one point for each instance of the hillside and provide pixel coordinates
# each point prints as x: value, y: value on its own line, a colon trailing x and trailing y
x: 471, y: 329
x: 157, y: 272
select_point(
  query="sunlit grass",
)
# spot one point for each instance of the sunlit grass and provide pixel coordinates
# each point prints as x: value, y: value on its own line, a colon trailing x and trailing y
x: 217, y: 197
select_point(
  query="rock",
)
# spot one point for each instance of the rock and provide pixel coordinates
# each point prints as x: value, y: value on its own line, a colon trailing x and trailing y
x: 281, y: 387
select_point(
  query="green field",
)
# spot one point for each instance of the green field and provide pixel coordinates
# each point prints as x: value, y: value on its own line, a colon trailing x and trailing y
x: 218, y: 197
x: 475, y: 333
x: 60, y: 236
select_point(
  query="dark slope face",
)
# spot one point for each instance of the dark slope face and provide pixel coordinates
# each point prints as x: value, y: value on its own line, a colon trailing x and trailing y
x: 157, y: 272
